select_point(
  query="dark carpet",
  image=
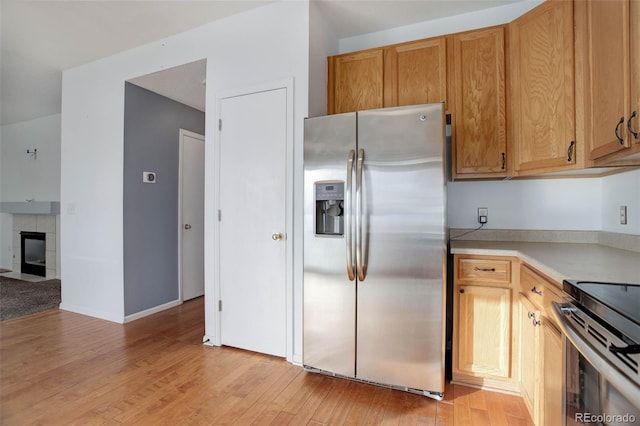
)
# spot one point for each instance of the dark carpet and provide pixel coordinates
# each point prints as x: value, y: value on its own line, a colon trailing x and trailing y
x: 20, y: 298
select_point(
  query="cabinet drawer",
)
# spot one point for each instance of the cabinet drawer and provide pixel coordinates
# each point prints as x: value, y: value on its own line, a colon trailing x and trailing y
x: 485, y: 270
x: 532, y: 286
x: 551, y: 294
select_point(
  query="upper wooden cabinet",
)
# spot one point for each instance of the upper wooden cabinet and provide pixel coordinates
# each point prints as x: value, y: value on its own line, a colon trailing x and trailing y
x: 607, y: 43
x: 548, y: 92
x: 542, y: 97
x: 465, y: 70
x: 403, y: 74
x: 416, y: 72
x: 356, y: 81
x: 477, y: 88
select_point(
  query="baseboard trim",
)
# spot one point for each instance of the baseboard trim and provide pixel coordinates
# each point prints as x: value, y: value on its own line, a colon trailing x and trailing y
x: 91, y: 313
x: 151, y: 311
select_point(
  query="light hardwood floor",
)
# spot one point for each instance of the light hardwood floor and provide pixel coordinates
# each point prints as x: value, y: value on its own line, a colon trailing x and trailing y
x: 62, y: 368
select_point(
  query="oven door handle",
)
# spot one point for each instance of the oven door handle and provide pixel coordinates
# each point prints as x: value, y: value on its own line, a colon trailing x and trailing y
x: 631, y: 349
x: 620, y: 381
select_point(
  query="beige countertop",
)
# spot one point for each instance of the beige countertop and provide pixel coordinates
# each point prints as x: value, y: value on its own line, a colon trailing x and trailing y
x: 559, y: 261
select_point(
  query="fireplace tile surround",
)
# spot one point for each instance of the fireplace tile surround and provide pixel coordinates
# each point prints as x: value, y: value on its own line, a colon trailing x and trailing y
x: 35, y: 223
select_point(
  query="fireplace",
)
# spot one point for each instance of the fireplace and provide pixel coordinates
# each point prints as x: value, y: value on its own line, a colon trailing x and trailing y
x: 33, y: 253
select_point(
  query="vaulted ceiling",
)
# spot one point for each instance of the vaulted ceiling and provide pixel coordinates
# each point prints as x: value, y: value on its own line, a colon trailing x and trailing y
x: 40, y: 39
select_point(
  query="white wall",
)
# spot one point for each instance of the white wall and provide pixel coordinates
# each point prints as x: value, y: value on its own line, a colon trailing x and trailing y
x: 549, y: 204
x: 263, y: 45
x: 453, y: 24
x: 621, y: 190
x: 23, y: 177
x: 323, y: 42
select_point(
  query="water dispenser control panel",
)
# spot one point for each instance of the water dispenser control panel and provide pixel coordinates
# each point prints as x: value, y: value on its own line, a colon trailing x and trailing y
x: 329, y: 196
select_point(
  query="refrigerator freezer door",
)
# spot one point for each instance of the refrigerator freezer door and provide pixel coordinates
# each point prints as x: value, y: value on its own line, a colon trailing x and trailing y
x: 400, y: 337
x: 329, y: 296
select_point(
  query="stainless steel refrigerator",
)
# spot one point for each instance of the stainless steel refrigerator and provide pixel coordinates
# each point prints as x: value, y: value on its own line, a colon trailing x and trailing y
x: 375, y: 244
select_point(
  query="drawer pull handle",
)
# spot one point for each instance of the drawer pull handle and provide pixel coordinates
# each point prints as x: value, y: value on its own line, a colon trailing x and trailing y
x: 635, y: 134
x: 536, y: 291
x: 620, y: 139
x: 484, y: 269
x: 570, y: 151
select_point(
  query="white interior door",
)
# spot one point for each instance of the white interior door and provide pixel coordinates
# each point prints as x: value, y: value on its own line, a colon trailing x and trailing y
x: 191, y: 214
x: 253, y: 141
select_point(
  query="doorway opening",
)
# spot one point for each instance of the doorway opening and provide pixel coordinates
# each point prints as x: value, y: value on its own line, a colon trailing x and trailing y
x: 157, y: 107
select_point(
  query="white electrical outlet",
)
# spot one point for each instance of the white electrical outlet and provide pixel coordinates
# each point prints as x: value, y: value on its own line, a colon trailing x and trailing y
x: 623, y: 215
x: 483, y: 214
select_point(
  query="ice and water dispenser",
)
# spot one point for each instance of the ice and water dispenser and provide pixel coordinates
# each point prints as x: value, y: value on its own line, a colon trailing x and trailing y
x: 329, y: 198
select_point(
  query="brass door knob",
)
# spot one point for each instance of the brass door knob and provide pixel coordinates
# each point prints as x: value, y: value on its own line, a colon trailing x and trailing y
x: 277, y: 236
x: 187, y: 226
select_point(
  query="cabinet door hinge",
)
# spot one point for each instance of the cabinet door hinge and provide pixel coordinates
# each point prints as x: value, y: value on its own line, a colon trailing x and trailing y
x: 220, y: 124
x: 219, y: 215
x: 219, y: 305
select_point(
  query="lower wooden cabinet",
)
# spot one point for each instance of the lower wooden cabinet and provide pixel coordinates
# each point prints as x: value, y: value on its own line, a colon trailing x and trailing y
x: 529, y: 353
x: 552, y: 374
x: 504, y: 337
x: 483, y: 319
x: 484, y: 331
x: 540, y: 349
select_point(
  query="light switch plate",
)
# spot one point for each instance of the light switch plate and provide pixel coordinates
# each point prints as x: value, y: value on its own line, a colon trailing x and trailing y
x: 149, y: 177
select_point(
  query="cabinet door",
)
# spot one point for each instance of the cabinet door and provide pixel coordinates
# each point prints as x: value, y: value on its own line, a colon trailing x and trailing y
x: 634, y: 123
x: 355, y: 81
x: 542, y: 83
x: 483, y: 331
x: 552, y: 375
x: 416, y: 73
x: 608, y: 61
x: 479, y: 119
x: 529, y: 354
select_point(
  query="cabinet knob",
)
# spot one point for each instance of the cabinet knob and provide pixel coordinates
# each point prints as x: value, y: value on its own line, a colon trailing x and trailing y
x: 462, y: 290
x: 536, y: 291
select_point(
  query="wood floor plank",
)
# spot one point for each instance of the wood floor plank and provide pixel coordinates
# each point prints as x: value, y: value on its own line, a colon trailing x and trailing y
x: 444, y: 414
x: 375, y: 414
x: 62, y: 368
x: 327, y: 407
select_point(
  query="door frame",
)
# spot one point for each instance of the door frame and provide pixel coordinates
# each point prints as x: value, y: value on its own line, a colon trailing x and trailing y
x: 182, y: 134
x: 212, y: 224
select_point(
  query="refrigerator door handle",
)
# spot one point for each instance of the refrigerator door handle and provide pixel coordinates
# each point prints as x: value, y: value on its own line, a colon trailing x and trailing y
x: 359, y: 263
x: 349, y: 215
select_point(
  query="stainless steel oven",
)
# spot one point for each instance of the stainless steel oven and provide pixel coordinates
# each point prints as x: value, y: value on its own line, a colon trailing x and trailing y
x: 601, y: 322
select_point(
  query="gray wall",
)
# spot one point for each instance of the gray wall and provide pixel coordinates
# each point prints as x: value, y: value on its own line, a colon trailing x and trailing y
x: 151, y: 131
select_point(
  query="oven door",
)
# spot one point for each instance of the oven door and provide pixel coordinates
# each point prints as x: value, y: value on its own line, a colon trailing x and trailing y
x: 590, y: 399
x: 596, y: 392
